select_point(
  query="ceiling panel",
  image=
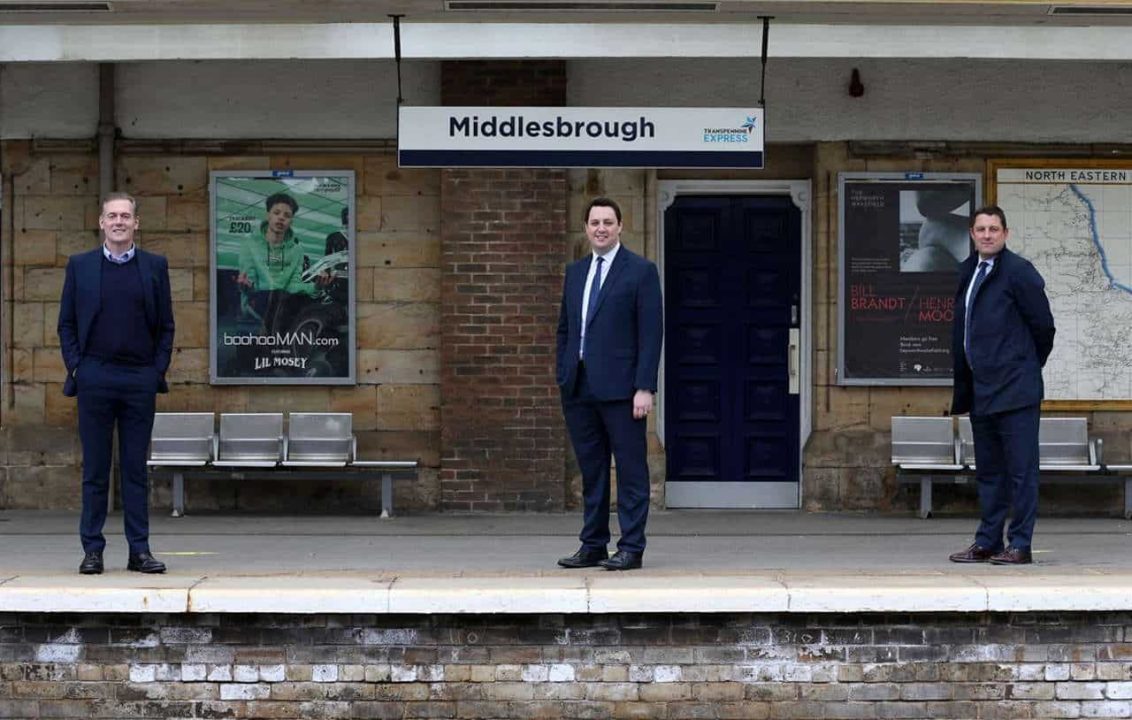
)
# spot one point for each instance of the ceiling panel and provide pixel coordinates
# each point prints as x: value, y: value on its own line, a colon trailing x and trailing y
x: 728, y: 11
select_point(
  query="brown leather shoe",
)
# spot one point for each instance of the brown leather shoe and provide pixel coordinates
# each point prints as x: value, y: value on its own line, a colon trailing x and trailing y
x: 974, y: 554
x: 1012, y: 556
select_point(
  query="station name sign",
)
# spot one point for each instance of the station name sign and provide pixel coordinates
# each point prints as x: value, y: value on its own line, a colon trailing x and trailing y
x: 580, y: 137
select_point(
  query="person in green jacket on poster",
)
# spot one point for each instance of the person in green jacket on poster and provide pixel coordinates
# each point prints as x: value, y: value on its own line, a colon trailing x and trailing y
x: 272, y: 261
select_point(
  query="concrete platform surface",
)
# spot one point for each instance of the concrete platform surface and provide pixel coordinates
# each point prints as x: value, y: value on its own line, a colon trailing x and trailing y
x: 697, y: 561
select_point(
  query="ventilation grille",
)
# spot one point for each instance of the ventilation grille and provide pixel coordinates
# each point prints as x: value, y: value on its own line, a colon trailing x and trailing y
x: 553, y: 6
x: 53, y: 7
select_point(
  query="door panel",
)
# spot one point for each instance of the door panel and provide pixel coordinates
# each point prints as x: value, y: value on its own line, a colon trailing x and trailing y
x: 732, y: 279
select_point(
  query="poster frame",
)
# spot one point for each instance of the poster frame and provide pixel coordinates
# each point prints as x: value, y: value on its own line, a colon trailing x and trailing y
x: 904, y: 178
x: 282, y: 177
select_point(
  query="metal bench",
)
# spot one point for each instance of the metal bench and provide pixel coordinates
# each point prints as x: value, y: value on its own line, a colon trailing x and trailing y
x: 1064, y: 445
x: 249, y: 440
x: 1122, y: 472
x: 1066, y: 454
x: 925, y: 450
x: 179, y: 441
x: 254, y: 446
x: 388, y: 469
x: 966, y: 442
x: 326, y: 440
x: 319, y: 440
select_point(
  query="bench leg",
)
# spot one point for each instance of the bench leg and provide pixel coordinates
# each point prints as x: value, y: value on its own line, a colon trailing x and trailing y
x: 178, y: 494
x: 926, y: 497
x: 386, y: 495
x: 1128, y: 498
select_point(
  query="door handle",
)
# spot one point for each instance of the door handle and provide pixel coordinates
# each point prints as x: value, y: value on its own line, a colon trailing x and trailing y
x: 794, y: 358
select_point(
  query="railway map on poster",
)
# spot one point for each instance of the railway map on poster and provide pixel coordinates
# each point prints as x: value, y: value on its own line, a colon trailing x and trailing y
x: 1075, y: 225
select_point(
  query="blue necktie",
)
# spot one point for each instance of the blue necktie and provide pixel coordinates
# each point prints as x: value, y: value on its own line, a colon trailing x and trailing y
x: 979, y: 278
x: 595, y: 288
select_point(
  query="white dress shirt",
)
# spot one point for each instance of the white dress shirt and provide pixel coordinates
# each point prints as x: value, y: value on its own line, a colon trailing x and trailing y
x: 971, y: 285
x: 607, y: 259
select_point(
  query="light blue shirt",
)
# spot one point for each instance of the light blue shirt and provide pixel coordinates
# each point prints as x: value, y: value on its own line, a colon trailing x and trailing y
x: 119, y: 259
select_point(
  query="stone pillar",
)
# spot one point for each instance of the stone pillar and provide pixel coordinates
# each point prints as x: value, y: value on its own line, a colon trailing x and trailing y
x: 503, y: 248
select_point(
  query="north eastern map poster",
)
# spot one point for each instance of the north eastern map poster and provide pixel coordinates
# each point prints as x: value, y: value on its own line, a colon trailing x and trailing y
x: 1073, y: 221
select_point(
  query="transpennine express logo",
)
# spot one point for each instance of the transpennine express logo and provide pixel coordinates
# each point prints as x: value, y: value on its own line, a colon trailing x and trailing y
x: 739, y: 134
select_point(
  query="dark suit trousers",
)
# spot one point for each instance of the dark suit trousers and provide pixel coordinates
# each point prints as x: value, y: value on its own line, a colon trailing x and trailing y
x: 1006, y: 452
x: 600, y: 430
x: 125, y: 395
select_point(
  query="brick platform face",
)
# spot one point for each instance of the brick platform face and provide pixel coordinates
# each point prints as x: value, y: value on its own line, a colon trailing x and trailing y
x: 664, y: 667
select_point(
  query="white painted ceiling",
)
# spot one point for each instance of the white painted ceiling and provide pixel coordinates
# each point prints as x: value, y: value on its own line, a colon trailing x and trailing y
x: 906, y: 12
x: 361, y: 29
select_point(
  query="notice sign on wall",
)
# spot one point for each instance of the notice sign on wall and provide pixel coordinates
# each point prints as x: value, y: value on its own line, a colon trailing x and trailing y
x: 902, y: 237
x: 282, y: 309
x: 580, y: 137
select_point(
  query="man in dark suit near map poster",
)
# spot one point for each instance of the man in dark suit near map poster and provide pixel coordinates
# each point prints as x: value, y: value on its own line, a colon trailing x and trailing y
x: 609, y: 335
x: 1002, y: 336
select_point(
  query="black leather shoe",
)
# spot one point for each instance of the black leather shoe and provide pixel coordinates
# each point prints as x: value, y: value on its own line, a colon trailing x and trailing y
x: 584, y: 558
x: 622, y: 560
x: 145, y: 563
x: 1012, y: 556
x: 973, y: 554
x: 91, y: 564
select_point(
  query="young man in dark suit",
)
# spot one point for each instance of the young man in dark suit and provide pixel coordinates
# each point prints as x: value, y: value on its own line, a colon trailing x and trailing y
x: 116, y: 334
x: 610, y: 328
x: 1002, y: 336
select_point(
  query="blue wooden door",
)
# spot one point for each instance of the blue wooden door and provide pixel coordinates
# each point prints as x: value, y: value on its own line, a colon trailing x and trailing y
x: 732, y: 289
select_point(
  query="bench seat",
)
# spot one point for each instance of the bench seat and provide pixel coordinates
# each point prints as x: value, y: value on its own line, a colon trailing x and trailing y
x: 254, y: 446
x: 1066, y: 455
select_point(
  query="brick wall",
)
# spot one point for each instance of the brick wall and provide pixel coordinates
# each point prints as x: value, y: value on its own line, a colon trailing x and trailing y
x: 655, y: 666
x: 502, y: 255
x: 396, y: 403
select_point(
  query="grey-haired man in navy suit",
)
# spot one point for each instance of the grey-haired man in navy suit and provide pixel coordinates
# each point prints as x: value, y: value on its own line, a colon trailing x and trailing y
x: 116, y: 335
x: 610, y: 328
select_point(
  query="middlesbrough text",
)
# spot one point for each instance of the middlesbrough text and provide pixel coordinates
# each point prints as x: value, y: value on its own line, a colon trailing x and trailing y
x: 516, y: 126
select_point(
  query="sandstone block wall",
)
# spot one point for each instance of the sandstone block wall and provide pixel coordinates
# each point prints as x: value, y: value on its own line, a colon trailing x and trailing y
x: 396, y: 403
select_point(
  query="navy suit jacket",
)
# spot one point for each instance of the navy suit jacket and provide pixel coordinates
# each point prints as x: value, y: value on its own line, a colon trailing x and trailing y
x: 82, y: 300
x: 1011, y: 337
x: 624, y: 334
